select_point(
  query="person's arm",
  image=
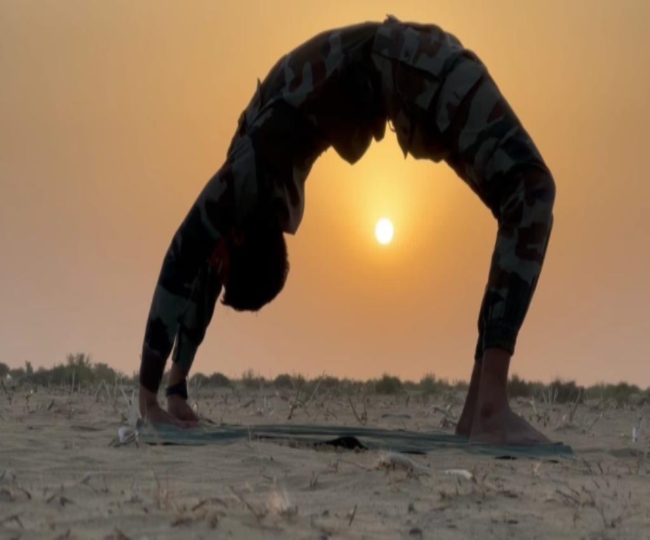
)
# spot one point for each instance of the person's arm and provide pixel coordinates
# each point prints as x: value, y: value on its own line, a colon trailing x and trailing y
x: 194, y: 323
x: 190, y: 248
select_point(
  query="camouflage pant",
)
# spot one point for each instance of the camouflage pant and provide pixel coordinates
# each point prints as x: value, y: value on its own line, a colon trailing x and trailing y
x: 491, y: 151
x: 445, y: 106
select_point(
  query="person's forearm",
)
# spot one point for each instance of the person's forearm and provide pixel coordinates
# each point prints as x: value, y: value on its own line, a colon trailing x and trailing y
x: 176, y: 374
x: 191, y: 247
x: 152, y: 368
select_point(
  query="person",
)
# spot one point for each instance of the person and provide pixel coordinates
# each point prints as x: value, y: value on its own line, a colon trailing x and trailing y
x: 339, y: 90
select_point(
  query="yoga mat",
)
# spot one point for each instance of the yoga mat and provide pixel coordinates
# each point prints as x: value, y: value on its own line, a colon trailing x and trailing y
x: 368, y: 438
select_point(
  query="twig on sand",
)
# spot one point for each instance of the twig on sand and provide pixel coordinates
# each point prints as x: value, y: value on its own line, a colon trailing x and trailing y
x: 294, y: 403
x: 9, y: 397
x: 462, y: 473
x: 74, y: 373
x: 101, y: 387
x: 128, y: 401
x: 208, y: 501
x: 353, y: 463
x: 393, y: 461
x: 575, y: 407
x: 532, y: 402
x: 568, y: 498
x: 567, y: 420
x: 12, y: 517
x: 259, y: 514
x: 588, y: 428
x: 248, y: 404
x: 363, y: 419
x: 313, y: 394
x: 449, y: 419
x: 637, y: 430
x: 352, y: 514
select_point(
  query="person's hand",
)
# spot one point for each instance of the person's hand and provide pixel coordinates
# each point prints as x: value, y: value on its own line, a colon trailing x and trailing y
x: 152, y: 412
x: 180, y: 409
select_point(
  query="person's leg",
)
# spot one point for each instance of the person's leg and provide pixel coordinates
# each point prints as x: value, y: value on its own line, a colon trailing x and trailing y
x: 464, y: 426
x: 525, y: 225
x: 491, y: 151
x: 466, y: 420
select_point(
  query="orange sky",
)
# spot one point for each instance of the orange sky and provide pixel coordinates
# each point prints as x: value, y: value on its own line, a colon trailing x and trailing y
x: 114, y: 114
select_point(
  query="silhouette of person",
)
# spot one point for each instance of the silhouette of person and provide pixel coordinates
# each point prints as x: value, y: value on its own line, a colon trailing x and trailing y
x: 339, y: 90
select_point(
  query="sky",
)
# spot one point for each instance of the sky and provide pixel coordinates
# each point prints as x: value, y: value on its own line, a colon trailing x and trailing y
x: 113, y: 115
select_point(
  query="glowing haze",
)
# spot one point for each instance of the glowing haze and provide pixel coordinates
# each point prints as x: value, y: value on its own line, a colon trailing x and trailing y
x: 114, y: 115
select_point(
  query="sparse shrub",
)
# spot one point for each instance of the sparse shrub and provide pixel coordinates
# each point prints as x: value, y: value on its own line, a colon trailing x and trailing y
x: 410, y: 386
x: 351, y: 386
x: 388, y: 384
x: 566, y: 391
x: 460, y: 385
x: 284, y: 381
x: 250, y: 380
x: 219, y: 380
x: 322, y: 383
x: 198, y: 380
x: 104, y: 372
x: 518, y: 387
x: 429, y: 384
x: 16, y: 375
x: 4, y: 370
x: 328, y: 383
x: 621, y: 392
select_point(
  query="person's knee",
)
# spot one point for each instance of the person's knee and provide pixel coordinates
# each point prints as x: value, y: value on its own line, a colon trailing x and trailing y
x: 539, y: 187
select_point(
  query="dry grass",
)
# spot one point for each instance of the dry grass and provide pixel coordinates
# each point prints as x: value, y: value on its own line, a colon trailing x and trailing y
x: 60, y: 479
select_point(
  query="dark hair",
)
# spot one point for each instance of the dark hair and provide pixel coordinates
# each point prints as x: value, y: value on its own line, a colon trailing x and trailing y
x: 258, y: 266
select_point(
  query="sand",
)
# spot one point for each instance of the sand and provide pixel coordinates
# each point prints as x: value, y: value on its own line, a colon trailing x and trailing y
x: 61, y: 476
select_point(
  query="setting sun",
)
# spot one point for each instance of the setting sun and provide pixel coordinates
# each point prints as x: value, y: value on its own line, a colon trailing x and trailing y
x: 384, y: 231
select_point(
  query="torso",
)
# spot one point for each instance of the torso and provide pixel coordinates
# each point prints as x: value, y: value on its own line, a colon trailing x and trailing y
x: 338, y: 90
x: 323, y: 94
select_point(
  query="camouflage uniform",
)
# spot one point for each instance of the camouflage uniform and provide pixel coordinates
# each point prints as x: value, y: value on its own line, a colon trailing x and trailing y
x: 445, y: 106
x: 338, y: 90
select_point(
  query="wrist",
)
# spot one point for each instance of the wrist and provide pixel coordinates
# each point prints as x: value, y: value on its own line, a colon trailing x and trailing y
x: 152, y: 366
x: 147, y: 399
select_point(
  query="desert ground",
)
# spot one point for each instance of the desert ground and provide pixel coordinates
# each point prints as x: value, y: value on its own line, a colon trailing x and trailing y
x: 64, y: 473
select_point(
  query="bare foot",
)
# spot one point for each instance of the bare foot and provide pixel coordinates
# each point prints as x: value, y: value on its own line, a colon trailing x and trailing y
x: 504, y: 427
x: 464, y: 426
x: 157, y: 415
x: 180, y: 409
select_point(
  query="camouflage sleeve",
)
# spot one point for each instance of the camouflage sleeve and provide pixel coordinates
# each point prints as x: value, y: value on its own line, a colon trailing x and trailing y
x: 196, y: 317
x: 211, y: 216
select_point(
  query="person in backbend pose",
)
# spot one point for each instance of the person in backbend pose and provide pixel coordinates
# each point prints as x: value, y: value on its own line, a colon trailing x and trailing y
x: 339, y: 90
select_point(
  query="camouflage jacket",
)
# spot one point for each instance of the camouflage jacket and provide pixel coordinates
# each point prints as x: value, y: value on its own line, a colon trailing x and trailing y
x: 322, y: 94
x: 340, y: 88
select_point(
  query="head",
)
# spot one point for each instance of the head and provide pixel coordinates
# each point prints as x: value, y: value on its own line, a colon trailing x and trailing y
x: 256, y: 266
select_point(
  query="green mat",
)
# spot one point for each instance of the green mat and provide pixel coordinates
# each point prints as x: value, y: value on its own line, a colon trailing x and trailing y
x: 366, y: 438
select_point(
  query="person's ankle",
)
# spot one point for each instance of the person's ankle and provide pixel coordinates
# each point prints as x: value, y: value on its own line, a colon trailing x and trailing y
x: 176, y: 377
x: 175, y: 399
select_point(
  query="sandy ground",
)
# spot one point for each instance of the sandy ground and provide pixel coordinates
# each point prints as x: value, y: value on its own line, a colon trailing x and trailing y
x: 61, y: 477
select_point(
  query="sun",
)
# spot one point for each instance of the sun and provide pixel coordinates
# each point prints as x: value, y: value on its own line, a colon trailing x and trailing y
x: 384, y: 231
